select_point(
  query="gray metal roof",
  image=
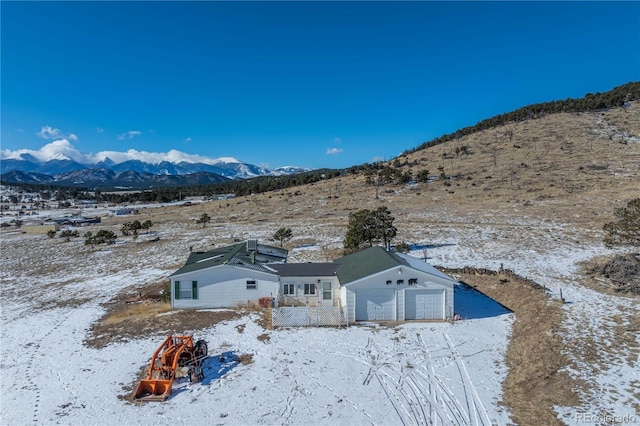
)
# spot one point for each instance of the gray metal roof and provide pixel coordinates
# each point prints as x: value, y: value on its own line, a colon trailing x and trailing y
x: 376, y: 259
x: 305, y: 269
x: 366, y: 262
x: 236, y: 255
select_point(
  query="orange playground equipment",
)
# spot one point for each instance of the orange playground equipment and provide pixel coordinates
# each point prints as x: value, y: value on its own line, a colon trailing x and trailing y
x: 175, y: 353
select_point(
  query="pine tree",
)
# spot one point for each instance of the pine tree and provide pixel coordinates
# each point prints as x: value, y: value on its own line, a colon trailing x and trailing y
x: 368, y: 227
x: 626, y: 231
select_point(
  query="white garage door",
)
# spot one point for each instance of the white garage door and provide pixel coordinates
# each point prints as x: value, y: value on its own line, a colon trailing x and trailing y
x: 375, y: 305
x: 424, y: 304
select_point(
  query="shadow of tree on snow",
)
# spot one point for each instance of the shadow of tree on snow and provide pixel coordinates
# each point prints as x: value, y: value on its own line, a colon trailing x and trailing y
x: 427, y: 247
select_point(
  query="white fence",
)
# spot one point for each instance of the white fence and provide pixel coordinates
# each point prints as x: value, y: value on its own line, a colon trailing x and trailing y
x: 307, y: 316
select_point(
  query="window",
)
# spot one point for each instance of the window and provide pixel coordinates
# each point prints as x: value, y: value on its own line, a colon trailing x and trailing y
x: 185, y: 290
x: 289, y: 289
x: 251, y: 285
x: 326, y: 290
x: 310, y: 289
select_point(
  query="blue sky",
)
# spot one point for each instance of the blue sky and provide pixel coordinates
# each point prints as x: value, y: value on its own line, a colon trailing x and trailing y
x: 313, y: 84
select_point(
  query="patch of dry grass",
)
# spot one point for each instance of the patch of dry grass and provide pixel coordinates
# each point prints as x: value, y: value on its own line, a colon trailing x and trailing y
x: 265, y: 320
x: 129, y: 321
x: 136, y: 312
x: 245, y: 358
x: 535, y: 358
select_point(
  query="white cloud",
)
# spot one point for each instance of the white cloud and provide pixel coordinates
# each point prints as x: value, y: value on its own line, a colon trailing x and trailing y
x: 129, y: 135
x: 332, y: 151
x: 48, y: 132
x: 56, y: 150
x: 188, y: 140
x: 63, y: 149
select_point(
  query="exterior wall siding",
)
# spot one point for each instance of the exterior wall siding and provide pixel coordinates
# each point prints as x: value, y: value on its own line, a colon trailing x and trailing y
x: 351, y: 305
x: 224, y: 287
x: 400, y: 298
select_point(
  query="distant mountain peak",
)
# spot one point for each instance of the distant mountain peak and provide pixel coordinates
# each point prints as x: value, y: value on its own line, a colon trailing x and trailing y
x: 65, y: 165
x: 152, y: 162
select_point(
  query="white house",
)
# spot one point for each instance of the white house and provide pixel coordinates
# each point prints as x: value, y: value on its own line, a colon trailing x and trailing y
x: 227, y: 277
x: 370, y: 285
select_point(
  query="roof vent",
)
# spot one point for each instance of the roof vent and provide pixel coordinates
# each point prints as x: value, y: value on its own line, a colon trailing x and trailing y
x: 252, y: 245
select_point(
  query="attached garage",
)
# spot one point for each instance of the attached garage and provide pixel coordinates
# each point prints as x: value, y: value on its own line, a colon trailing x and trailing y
x: 389, y: 286
x: 424, y: 304
x: 375, y: 305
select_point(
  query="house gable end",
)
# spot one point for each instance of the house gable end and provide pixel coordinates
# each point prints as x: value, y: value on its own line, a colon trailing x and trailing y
x: 365, y: 263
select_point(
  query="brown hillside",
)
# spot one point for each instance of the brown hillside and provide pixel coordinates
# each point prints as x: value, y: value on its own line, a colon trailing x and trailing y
x: 569, y: 168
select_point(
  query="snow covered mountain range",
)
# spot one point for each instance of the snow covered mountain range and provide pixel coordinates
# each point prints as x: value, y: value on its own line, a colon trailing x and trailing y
x: 59, y: 162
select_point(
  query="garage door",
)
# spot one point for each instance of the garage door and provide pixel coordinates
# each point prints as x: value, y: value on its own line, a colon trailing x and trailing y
x: 424, y: 304
x: 375, y: 305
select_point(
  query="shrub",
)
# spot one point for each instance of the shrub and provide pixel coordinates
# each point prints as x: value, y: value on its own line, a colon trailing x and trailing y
x: 165, y: 295
x: 245, y: 359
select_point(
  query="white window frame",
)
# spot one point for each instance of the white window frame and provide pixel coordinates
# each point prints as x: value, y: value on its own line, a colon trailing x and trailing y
x: 325, y: 290
x: 186, y: 289
x: 289, y: 289
x: 308, y: 287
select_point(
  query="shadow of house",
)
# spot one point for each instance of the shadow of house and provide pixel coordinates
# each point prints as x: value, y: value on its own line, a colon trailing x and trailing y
x: 470, y: 303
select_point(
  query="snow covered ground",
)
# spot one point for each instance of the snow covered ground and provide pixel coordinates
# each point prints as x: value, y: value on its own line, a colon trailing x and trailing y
x: 415, y: 373
x: 357, y: 375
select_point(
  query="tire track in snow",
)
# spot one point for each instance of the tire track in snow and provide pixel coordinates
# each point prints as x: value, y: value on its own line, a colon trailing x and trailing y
x: 412, y: 393
x: 439, y: 390
x: 480, y: 414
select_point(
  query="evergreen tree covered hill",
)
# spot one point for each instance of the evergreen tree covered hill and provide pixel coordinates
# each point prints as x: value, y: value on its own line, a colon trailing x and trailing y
x: 616, y: 97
